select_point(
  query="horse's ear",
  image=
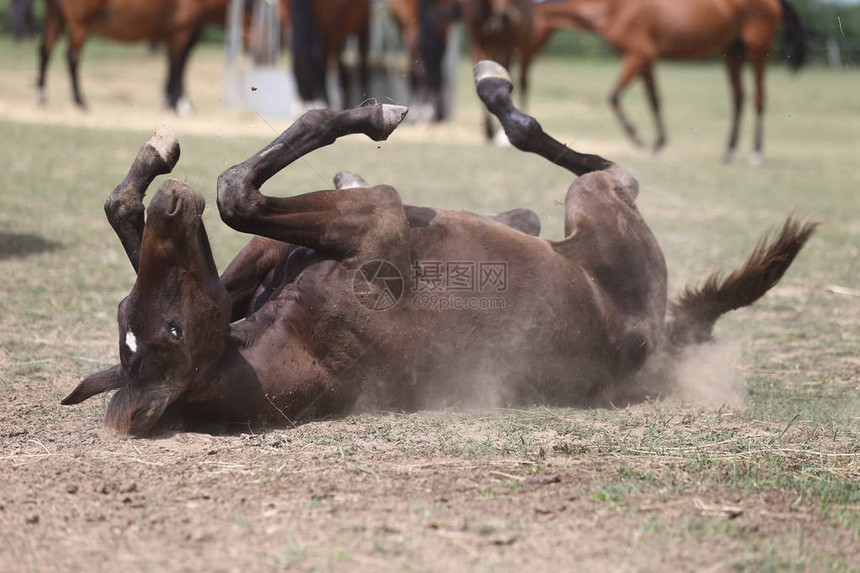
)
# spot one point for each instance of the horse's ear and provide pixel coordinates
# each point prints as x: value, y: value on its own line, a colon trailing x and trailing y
x: 109, y: 379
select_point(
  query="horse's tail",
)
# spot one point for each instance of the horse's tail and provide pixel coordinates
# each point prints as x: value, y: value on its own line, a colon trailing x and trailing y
x: 695, y: 311
x: 796, y: 36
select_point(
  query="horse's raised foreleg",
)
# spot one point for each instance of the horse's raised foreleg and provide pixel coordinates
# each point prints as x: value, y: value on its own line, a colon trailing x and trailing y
x: 331, y: 222
x: 124, y: 207
x: 633, y: 66
x: 654, y: 101
x: 734, y: 63
x: 53, y: 29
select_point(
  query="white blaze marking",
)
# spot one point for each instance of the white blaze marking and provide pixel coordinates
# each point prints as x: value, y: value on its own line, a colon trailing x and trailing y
x: 131, y: 341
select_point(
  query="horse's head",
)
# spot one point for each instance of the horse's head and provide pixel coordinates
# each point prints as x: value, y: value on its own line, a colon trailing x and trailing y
x: 174, y: 322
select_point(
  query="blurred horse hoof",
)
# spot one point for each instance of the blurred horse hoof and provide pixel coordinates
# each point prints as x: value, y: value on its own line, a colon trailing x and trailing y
x: 756, y: 159
x: 500, y: 139
x: 728, y: 156
x: 184, y: 107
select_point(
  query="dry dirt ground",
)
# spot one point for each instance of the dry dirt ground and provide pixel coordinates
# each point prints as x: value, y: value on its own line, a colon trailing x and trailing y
x: 768, y: 482
x: 543, y: 489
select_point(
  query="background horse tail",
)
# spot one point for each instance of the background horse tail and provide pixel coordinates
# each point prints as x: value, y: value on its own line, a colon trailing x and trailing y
x: 695, y: 311
x: 796, y: 36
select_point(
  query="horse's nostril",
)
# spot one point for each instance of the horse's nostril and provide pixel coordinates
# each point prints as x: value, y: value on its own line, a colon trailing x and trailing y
x: 175, y: 205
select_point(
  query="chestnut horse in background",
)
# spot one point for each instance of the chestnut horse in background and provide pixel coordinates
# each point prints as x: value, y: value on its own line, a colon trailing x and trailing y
x: 424, y: 26
x: 175, y: 22
x: 320, y: 29
x: 644, y: 30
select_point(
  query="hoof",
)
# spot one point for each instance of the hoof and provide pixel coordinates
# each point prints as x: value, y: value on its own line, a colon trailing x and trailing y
x: 728, y: 156
x: 490, y: 69
x: 349, y: 180
x: 184, y: 107
x: 392, y: 115
x: 165, y: 143
x: 756, y: 159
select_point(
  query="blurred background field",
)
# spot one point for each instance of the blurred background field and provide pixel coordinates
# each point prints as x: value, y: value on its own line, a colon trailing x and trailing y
x: 62, y: 272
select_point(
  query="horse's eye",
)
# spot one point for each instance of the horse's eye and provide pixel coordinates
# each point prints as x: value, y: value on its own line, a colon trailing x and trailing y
x: 174, y: 331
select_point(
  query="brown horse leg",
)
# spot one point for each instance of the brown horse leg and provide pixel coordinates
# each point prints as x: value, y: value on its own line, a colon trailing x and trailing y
x: 654, y: 101
x: 633, y: 66
x: 734, y: 62
x: 363, y: 70
x: 248, y: 270
x: 758, y: 59
x: 77, y: 37
x: 525, y: 63
x: 525, y: 133
x: 330, y: 222
x: 124, y: 206
x: 179, y: 47
x: 53, y: 29
x: 345, y: 81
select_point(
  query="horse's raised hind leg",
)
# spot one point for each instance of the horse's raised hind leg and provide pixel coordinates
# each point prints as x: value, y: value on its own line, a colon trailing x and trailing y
x: 53, y: 29
x: 734, y: 63
x: 758, y: 60
x: 331, y: 222
x: 525, y: 133
x: 124, y: 206
x: 654, y: 101
x: 633, y: 66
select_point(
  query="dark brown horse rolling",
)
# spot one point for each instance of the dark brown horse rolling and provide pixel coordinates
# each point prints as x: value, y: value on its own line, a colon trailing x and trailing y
x: 643, y: 31
x: 320, y: 29
x: 347, y: 297
x: 176, y: 22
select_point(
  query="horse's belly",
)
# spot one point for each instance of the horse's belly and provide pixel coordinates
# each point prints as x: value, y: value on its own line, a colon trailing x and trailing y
x: 697, y: 29
x: 134, y: 20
